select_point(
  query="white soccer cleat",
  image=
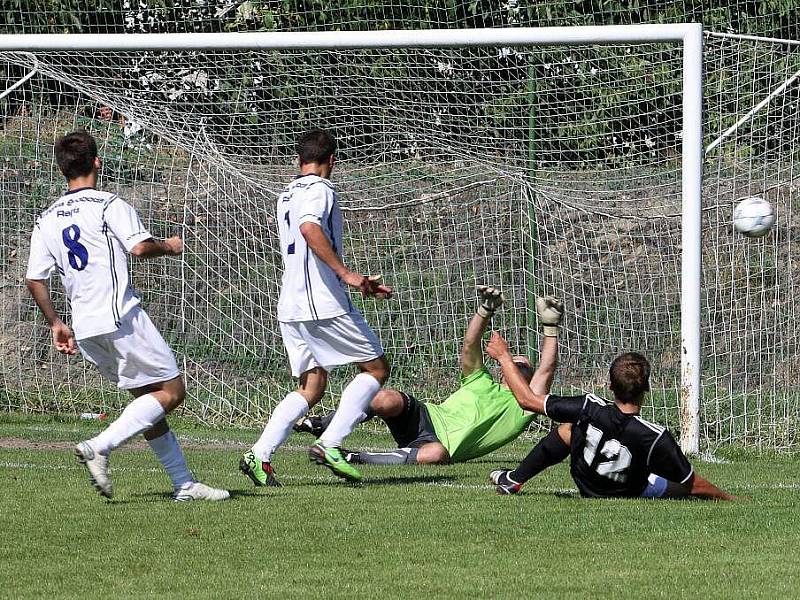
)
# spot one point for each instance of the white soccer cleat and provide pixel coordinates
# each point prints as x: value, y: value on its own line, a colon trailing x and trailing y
x: 97, y: 465
x: 200, y: 491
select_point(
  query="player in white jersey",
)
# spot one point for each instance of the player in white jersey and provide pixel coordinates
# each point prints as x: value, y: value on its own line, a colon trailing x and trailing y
x: 320, y: 327
x: 85, y: 236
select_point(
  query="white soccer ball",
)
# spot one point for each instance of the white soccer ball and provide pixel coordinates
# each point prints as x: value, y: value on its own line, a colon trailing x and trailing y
x: 753, y: 217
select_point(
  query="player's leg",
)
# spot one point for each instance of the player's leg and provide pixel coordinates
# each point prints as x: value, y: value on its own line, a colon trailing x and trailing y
x: 346, y: 339
x: 256, y: 463
x: 138, y: 359
x: 164, y: 444
x: 122, y: 358
x: 551, y: 450
x: 386, y: 404
x: 411, y: 429
x: 355, y: 402
x: 659, y: 487
x: 313, y: 378
x: 352, y: 410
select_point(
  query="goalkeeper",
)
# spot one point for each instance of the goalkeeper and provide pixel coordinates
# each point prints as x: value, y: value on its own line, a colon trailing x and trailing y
x: 481, y: 416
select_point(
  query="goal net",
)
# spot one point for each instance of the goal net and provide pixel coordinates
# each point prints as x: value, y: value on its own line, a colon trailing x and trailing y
x: 544, y: 170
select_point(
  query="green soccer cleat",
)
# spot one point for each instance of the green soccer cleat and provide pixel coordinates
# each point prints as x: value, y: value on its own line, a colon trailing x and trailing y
x: 333, y: 459
x: 260, y: 473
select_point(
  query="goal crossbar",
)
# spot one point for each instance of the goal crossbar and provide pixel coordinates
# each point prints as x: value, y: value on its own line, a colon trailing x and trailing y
x: 293, y: 40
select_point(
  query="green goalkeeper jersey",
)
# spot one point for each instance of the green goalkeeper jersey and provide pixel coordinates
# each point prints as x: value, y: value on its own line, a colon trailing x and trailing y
x: 479, y: 417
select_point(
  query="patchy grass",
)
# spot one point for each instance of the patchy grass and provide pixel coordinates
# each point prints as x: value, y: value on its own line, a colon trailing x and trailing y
x: 406, y: 532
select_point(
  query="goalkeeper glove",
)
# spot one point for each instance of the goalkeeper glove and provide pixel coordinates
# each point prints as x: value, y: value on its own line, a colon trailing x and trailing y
x: 491, y: 299
x: 550, y: 311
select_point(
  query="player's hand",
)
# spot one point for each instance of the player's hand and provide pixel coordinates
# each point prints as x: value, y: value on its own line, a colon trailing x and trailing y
x: 174, y: 245
x: 497, y: 347
x: 374, y: 287
x: 550, y: 311
x: 491, y: 299
x: 368, y: 286
x: 64, y: 339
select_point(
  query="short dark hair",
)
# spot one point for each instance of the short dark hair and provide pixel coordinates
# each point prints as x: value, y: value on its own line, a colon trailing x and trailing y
x: 75, y: 154
x: 315, y: 146
x: 629, y: 377
x: 525, y: 369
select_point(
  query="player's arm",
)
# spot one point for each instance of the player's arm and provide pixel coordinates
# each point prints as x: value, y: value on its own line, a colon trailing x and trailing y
x: 527, y: 398
x: 63, y: 338
x: 550, y: 311
x: 321, y: 246
x: 702, y: 488
x: 471, y: 352
x: 125, y: 224
x: 532, y: 397
x: 152, y: 248
x: 40, y: 264
x: 668, y: 460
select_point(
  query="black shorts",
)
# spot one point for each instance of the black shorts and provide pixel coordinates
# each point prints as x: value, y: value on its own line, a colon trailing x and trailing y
x: 412, y: 428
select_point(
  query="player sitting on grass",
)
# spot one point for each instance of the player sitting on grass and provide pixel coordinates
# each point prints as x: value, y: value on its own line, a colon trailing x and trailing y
x: 85, y: 236
x: 613, y: 451
x: 321, y: 328
x: 481, y: 416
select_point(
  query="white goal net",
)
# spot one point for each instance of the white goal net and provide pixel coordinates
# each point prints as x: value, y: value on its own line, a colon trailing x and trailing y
x: 542, y: 170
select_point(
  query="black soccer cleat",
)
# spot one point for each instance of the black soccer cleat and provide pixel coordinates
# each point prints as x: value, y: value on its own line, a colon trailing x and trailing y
x: 312, y: 425
x: 352, y: 456
x: 504, y: 484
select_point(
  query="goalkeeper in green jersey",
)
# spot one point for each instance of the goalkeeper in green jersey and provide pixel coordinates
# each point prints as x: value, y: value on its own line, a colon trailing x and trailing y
x: 481, y: 416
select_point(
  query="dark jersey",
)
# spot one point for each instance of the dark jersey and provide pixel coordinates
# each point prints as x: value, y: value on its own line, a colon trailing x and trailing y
x: 612, y: 453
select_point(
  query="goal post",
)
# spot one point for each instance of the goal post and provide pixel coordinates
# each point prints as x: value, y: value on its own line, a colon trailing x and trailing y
x: 689, y: 37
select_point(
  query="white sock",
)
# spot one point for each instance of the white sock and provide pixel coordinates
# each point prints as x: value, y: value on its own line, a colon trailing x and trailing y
x: 291, y: 408
x: 352, y: 409
x: 171, y: 457
x: 140, y: 415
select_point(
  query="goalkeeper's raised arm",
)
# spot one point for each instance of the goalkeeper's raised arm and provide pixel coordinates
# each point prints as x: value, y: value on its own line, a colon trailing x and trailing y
x: 531, y: 396
x: 491, y: 298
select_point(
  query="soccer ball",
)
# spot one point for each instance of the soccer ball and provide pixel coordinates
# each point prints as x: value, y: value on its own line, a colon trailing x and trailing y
x: 753, y: 217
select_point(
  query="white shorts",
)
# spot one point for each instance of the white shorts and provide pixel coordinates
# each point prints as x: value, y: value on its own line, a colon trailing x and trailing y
x: 329, y: 343
x: 134, y: 355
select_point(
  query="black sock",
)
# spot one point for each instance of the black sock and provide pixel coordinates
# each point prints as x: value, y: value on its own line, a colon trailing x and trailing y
x: 326, y: 419
x: 550, y: 451
x: 398, y: 456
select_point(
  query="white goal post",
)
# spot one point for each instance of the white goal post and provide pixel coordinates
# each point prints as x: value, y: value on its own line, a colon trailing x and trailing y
x: 688, y: 36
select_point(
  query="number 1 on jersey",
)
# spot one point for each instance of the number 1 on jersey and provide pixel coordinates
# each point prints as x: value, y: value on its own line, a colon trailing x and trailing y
x: 290, y: 247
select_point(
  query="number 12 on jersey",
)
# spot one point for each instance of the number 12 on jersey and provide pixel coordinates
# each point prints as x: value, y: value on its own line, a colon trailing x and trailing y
x: 619, y: 456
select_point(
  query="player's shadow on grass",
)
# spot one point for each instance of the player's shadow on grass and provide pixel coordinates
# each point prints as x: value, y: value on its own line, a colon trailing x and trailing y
x: 426, y: 479
x: 137, y: 498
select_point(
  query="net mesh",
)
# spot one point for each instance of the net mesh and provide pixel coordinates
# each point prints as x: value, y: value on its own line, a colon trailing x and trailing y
x: 540, y: 170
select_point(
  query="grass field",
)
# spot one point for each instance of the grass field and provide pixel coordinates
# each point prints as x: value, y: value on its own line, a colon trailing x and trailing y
x: 426, y: 532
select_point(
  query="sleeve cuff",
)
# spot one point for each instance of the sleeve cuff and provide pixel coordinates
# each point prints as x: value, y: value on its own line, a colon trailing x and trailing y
x: 134, y: 239
x: 40, y: 275
x: 309, y: 218
x: 685, y: 479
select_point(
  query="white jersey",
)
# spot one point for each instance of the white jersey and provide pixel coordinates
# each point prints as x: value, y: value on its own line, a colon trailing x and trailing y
x: 310, y: 290
x: 84, y: 236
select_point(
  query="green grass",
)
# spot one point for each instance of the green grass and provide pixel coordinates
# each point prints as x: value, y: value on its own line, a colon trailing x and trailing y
x: 427, y: 532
